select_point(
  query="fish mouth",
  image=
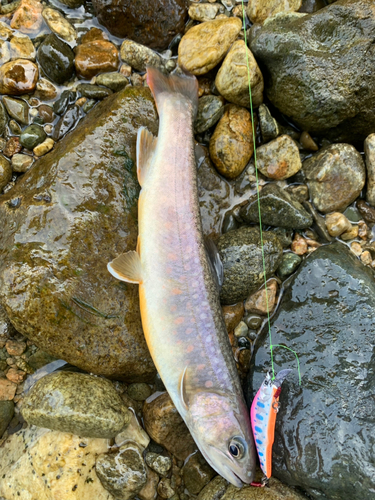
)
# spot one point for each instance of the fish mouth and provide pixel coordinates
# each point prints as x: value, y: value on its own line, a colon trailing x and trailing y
x: 232, y: 477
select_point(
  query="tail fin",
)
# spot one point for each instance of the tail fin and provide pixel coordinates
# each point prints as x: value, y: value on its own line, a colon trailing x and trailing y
x: 187, y: 85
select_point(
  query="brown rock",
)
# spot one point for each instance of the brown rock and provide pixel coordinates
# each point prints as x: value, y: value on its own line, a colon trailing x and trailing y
x: 45, y: 90
x: 154, y: 24
x: 307, y: 142
x: 5, y: 172
x: 92, y: 35
x: 366, y: 258
x: 259, y: 10
x: 356, y: 248
x: 99, y: 56
x: 165, y: 489
x: 46, y: 113
x: 15, y: 348
x: 233, y: 315
x: 15, y: 375
x: 18, y: 77
x: 12, y: 147
x: 232, y: 79
x: 7, y: 389
x: 351, y: 234
x: 28, y: 17
x: 164, y: 425
x: 205, y: 45
x: 279, y: 159
x: 299, y: 245
x: 260, y: 302
x: 337, y: 224
x: 231, y: 144
x: 148, y: 492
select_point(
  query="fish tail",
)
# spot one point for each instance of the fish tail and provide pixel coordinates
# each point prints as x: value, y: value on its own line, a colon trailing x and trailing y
x: 185, y: 84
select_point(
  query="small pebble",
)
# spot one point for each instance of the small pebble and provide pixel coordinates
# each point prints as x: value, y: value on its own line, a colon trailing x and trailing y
x: 93, y: 91
x: 45, y: 90
x: 299, y: 245
x: 81, y: 101
x: 262, y: 303
x: 20, y: 164
x: 307, y: 142
x: 337, y: 224
x: 241, y: 329
x: 288, y: 265
x: 366, y: 211
x: 15, y: 375
x: 356, y: 248
x: 165, y: 489
x: 46, y: 113
x: 158, y: 463
x: 253, y: 321
x: 32, y: 136
x: 14, y: 127
x: 12, y: 147
x: 232, y: 315
x: 205, y: 11
x: 21, y: 47
x: 126, y: 70
x: 44, y: 147
x: 363, y: 230
x: 351, y: 234
x: 28, y: 17
x: 48, y: 129
x: 139, y: 56
x: 366, y: 258
x: 114, y: 81
x: 139, y: 391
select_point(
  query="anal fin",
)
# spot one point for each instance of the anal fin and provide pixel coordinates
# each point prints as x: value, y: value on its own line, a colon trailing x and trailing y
x: 146, y: 145
x: 126, y: 267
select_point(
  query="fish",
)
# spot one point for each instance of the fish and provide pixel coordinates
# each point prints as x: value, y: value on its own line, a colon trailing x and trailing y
x: 179, y: 295
x: 264, y: 409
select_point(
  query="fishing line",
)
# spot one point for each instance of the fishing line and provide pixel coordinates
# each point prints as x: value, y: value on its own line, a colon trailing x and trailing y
x: 259, y: 212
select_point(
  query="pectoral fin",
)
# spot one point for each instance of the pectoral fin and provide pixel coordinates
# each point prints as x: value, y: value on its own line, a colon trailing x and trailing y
x: 183, y: 391
x: 146, y: 145
x: 126, y: 267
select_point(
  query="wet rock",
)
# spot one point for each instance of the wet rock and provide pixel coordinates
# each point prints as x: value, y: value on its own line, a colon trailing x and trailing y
x: 158, y: 463
x: 3, y: 119
x: 6, y: 415
x: 5, y: 172
x: 269, y: 127
x: 232, y: 80
x: 307, y: 142
x: 331, y: 74
x: 139, y: 56
x: 16, y: 376
x: 154, y: 24
x: 241, y: 254
x: 204, y: 11
x: 28, y: 17
x: 67, y: 122
x: 45, y: 90
x: 350, y: 234
x: 17, y: 109
x: 42, y: 464
x: 32, y: 136
x: 114, y: 81
x: 278, y: 208
x: 77, y: 403
x: 259, y: 10
x: 133, y: 432
x: 14, y: 127
x: 45, y: 112
x: 12, y: 147
x: 93, y: 91
x: 232, y: 315
x: 5, y: 32
x: 98, y: 56
x: 21, y: 47
x: 210, y: 110
x: 284, y: 236
x: 66, y: 97
x: 122, y: 473
x: 197, y: 473
x: 279, y: 159
x: 164, y: 425
x: 299, y: 191
x: 299, y: 245
x: 18, y: 77
x: 337, y: 224
x: 4, y: 52
x: 59, y: 25
x: 367, y: 212
x: 72, y: 4
x: 99, y: 321
x: 139, y: 391
x: 315, y: 318
x: 335, y: 176
x: 261, y: 302
x: 369, y: 148
x: 44, y: 147
x: 231, y: 144
x: 215, y: 36
x: 56, y: 58
x: 7, y: 389
x: 241, y: 330
x: 288, y: 265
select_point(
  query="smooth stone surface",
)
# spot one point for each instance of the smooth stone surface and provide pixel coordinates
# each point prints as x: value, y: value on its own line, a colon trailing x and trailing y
x: 155, y: 24
x: 114, y: 81
x: 122, y: 473
x: 269, y: 127
x: 232, y: 79
x: 210, y: 110
x: 78, y: 403
x: 326, y: 316
x: 197, y: 473
x: 98, y: 56
x: 279, y: 159
x: 335, y: 176
x: 369, y: 148
x: 288, y: 265
x: 139, y: 56
x: 164, y: 425
x: 6, y: 415
x: 28, y: 17
x: 260, y: 10
x: 45, y: 464
x: 323, y: 58
x: 32, y: 136
x: 59, y: 24
x: 88, y: 198
x: 93, y: 91
x: 56, y: 58
x: 215, y: 36
x: 18, y: 77
x: 21, y: 47
x: 67, y: 122
x: 44, y: 147
x: 241, y: 254
x: 231, y: 144
x: 5, y: 171
x: 17, y: 109
x: 278, y: 208
x: 21, y: 163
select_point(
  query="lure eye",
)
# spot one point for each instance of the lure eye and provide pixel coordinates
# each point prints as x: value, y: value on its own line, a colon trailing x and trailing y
x: 236, y: 449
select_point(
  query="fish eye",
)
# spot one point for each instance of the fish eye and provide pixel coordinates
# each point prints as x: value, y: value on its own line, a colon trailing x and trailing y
x: 236, y: 448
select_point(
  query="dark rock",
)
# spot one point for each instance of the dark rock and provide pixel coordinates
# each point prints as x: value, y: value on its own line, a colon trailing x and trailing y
x: 278, y: 208
x: 288, y: 264
x: 241, y: 254
x: 58, y: 270
x: 72, y: 4
x: 93, y: 91
x: 335, y: 177
x: 56, y: 58
x: 114, y: 81
x: 367, y: 212
x: 66, y: 97
x: 153, y: 24
x: 40, y: 359
x: 32, y: 136
x: 325, y: 433
x: 78, y: 403
x: 6, y: 415
x: 67, y: 122
x: 3, y: 119
x: 320, y: 68
x: 210, y: 110
x: 45, y: 112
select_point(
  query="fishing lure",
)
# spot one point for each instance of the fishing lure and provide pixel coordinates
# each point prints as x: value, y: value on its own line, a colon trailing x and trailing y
x: 263, y: 413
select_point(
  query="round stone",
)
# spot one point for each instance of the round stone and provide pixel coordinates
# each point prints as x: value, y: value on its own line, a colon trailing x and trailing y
x: 114, y: 81
x: 21, y: 163
x: 32, y: 136
x: 98, y: 56
x: 56, y: 58
x: 210, y: 110
x: 279, y: 159
x: 18, y: 77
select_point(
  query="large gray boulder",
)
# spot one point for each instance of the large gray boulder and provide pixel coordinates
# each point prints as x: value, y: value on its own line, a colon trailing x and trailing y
x: 325, y: 433
x: 320, y: 68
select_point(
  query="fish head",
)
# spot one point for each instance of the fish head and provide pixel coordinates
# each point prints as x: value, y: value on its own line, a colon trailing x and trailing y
x: 220, y: 426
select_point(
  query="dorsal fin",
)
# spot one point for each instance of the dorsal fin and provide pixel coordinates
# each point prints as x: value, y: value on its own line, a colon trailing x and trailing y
x: 146, y: 145
x: 126, y: 267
